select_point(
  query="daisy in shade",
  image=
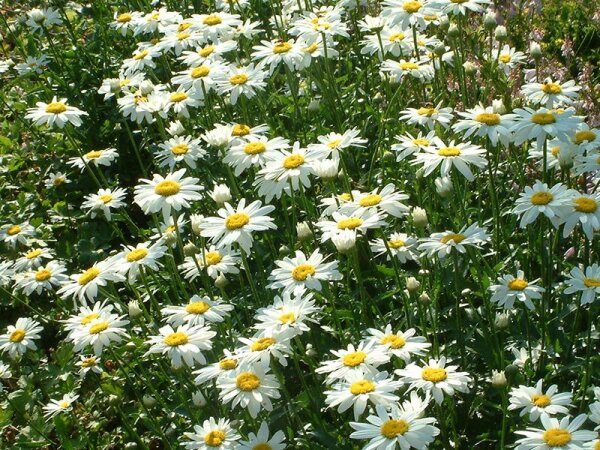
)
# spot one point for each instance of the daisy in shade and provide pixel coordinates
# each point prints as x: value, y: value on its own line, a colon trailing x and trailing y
x: 394, y: 41
x: 11, y: 234
x: 334, y: 143
x: 428, y: 116
x: 516, y: 288
x: 295, y: 275
x: 6, y: 272
x: 95, y: 158
x: 533, y: 401
x: 85, y: 316
x: 262, y: 441
x: 564, y: 434
x: 287, y: 313
x: 57, y: 112
x: 397, y: 71
x: 550, y: 93
x: 56, y: 407
x: 99, y: 333
x: 40, y: 20
x: 165, y: 193
x: 539, y: 199
x: 447, y: 241
x: 33, y: 258
x: 55, y: 180
x: 530, y: 124
x: 435, y: 377
x: 249, y: 386
x: 85, y: 285
x: 359, y: 389
x: 365, y: 358
x: 384, y: 200
x: 386, y: 430
x: 587, y: 282
x: 485, y: 122
x: 212, y: 435
x: 358, y: 222
x: 104, y: 201
x: 586, y: 138
x: 458, y: 156
x: 237, y: 225
x: 216, y: 262
x: 252, y: 151
x: 400, y: 246
x: 216, y: 370
x: 274, y: 53
x: 583, y: 210
x: 246, y: 81
x: 46, y: 277
x: 184, y: 345
x: 409, y: 145
x: 262, y: 346
x: 583, y: 164
x: 143, y: 256
x: 402, y: 344
x: 197, y: 312
x: 89, y: 363
x: 20, y: 337
x: 509, y: 58
x: 180, y: 149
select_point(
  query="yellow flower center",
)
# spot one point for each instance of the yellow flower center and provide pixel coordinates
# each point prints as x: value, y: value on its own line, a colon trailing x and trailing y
x: 591, y: 282
x: 456, y: 237
x: 64, y: 404
x: 459, y: 1
x: 137, y: 99
x: 199, y: 72
x: 206, y: 51
x: 551, y: 88
x: 449, y: 151
x: 240, y: 78
x: 212, y: 20
x: 56, y: 108
x: 58, y: 181
x: 362, y: 387
x: 349, y: 224
x: 412, y: 7
x: 137, y: 254
x: 213, y: 258
x: 408, y: 66
x: 240, y: 129
x: 197, y: 308
x: 518, y: 284
x: 430, y: 17
x: 214, y: 438
x: 434, y: 374
x: 33, y: 253
x: 227, y: 364
x: 98, y: 328
x: 541, y: 198
x: 43, y: 275
x: 293, y: 162
x: 124, y: 18
x: 540, y: 401
x: 254, y: 148
x: 392, y: 428
x: 597, y: 445
x: 287, y: 317
x: 124, y: 82
x: 428, y: 112
x: 262, y: 446
x: 15, y: 229
x: 88, y: 362
x: 397, y: 37
x: 180, y: 149
x: 354, y: 359
x: 334, y: 143
x: 396, y: 243
x: 170, y: 229
x: 178, y: 97
x: 505, y: 58
x: 556, y: 437
x: 262, y: 344
x: 140, y: 55
x: 370, y: 200
x: 247, y: 381
x: 282, y: 47
x: 154, y: 16
x: 394, y: 340
x: 345, y: 197
x: 93, y: 154
x: 183, y: 26
x: 167, y: 188
x: 303, y: 271
x: 488, y: 118
x: 17, y: 336
x: 555, y: 151
x: 311, y: 48
x: 87, y: 319
x: 176, y: 339
x: 183, y: 36
x: 237, y: 221
x: 585, y: 205
x: 584, y: 135
x: 543, y: 118
x: 88, y: 275
x: 106, y: 198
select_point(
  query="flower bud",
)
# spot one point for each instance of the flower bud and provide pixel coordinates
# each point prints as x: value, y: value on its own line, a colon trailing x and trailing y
x: 419, y: 217
x: 498, y: 379
x: 500, y: 34
x: 489, y: 21
x: 535, y: 50
x: 148, y: 401
x: 190, y: 249
x: 511, y: 370
x: 146, y: 87
x: 198, y: 399
x: 502, y: 321
x: 498, y: 106
x: 443, y: 186
x: 134, y: 309
x: 196, y: 220
x: 470, y: 68
x: 344, y: 242
x: 439, y: 49
x: 424, y: 298
x: 221, y: 281
x: 303, y: 231
x: 175, y: 128
x: 412, y: 284
x: 221, y: 194
x: 314, y: 105
x: 327, y: 169
x: 453, y: 31
x: 115, y: 85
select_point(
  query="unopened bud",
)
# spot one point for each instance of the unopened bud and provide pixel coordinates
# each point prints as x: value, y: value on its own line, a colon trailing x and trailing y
x: 134, y: 309
x: 535, y: 50
x: 221, y: 194
x: 424, y: 298
x: 453, y: 31
x: 148, y: 401
x: 489, y: 21
x: 221, y: 281
x: 303, y: 231
x: 412, y: 284
x: 498, y: 379
x: 419, y: 217
x: 500, y: 34
x: 344, y: 242
x: 443, y: 186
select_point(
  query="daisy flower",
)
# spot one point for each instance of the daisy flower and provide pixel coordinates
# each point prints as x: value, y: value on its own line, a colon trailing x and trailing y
x: 485, y: 122
x: 295, y: 275
x: 245, y: 81
x: 252, y: 151
x: 409, y: 145
x: 509, y: 58
x: 172, y: 191
x: 261, y: 440
x: 363, y: 359
x: 125, y: 21
x: 143, y: 256
x: 556, y: 435
x: 56, y: 407
x: 33, y: 258
x: 400, y: 246
x: 533, y: 401
x: 216, y: 370
x: 184, y: 345
x: 55, y: 180
x: 104, y: 201
x: 85, y: 316
x: 237, y: 225
x: 85, y: 285
x: 140, y: 60
x: 515, y: 288
x: 5, y: 374
x: 46, y: 277
x: 20, y: 337
x: 216, y: 262
x: 539, y: 199
x: 89, y: 363
x: 447, y: 241
x: 402, y: 344
x: 459, y: 156
x: 457, y: 7
x: 99, y: 333
x: 40, y: 19
x: 385, y: 200
x: 550, y: 93
x: 359, y: 389
x: 587, y: 282
x: 57, y: 112
x: 435, y: 377
x: 262, y: 346
x: 530, y: 124
x: 216, y: 24
x: 180, y: 100
x: 421, y: 70
x: 207, y: 53
x: 212, y: 435
x: 276, y: 52
x: 198, y: 311
x: 201, y: 78
x: 394, y: 41
x: 584, y: 211
x: 332, y: 144
x: 323, y: 22
x: 586, y: 138
x: 11, y: 234
x: 358, y: 222
x: 407, y: 13
x: 428, y: 116
x: 95, y: 158
x: 249, y: 386
x: 287, y: 313
x: 386, y: 430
